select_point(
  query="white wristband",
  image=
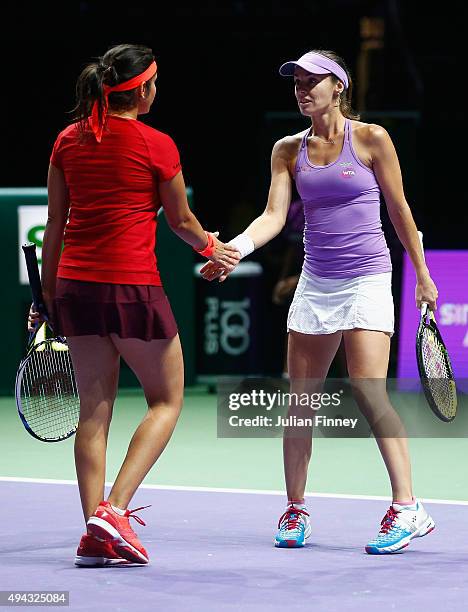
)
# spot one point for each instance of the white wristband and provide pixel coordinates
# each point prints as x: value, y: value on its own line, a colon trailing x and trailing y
x: 244, y: 244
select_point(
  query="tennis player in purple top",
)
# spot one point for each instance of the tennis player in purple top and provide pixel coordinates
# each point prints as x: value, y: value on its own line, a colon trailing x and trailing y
x: 341, y: 166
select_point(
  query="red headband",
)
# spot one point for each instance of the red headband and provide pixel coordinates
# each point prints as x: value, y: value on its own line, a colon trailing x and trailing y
x: 98, y: 126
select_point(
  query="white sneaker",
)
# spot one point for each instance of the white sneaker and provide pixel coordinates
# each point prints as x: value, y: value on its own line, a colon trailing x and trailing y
x: 399, y: 526
x: 294, y: 528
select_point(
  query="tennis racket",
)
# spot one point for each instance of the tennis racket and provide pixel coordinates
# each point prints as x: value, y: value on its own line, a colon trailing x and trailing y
x: 435, y: 369
x: 46, y: 391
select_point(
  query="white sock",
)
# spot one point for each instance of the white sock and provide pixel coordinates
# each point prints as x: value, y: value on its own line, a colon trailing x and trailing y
x: 297, y: 505
x: 118, y: 510
x: 412, y: 506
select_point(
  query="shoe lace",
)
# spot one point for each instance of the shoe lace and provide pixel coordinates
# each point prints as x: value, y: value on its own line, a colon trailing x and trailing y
x: 388, y: 520
x: 291, y: 518
x: 137, y: 518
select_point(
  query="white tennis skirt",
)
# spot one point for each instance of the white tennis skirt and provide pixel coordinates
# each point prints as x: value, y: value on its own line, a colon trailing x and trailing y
x: 326, y: 305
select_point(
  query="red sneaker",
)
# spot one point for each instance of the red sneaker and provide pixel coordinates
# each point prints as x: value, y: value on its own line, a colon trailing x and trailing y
x: 109, y: 526
x: 93, y: 553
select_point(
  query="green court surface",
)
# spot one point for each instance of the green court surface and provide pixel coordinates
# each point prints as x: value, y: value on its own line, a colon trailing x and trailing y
x: 196, y: 457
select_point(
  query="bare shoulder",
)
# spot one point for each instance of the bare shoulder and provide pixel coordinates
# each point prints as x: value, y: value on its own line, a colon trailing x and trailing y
x: 287, y: 146
x: 370, y: 134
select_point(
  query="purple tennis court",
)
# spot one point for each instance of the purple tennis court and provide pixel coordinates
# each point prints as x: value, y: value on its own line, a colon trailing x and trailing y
x: 212, y: 551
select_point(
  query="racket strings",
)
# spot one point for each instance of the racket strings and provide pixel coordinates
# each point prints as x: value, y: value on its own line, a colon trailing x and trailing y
x: 433, y: 353
x: 438, y: 376
x: 49, y: 397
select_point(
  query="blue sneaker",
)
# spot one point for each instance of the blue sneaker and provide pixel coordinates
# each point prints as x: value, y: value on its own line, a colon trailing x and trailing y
x: 399, y: 526
x: 294, y: 528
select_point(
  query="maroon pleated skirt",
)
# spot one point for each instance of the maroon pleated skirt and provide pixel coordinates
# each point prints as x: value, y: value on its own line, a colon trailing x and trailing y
x: 85, y: 308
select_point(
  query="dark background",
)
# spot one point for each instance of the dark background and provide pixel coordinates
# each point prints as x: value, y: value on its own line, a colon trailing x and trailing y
x: 218, y: 83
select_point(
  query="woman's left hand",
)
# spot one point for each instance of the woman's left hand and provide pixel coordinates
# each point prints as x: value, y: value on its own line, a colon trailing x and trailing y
x: 35, y: 318
x: 426, y: 291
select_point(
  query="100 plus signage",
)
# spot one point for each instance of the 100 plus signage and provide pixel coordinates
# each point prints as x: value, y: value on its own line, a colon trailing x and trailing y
x: 449, y: 270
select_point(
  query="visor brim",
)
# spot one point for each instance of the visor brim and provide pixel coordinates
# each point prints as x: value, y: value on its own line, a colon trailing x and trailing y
x: 288, y: 68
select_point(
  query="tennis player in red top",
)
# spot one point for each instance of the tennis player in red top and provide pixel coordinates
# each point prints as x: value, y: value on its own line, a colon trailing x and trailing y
x: 109, y: 173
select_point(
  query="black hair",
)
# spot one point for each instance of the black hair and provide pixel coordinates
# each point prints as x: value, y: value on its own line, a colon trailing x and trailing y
x: 346, y: 96
x: 119, y: 64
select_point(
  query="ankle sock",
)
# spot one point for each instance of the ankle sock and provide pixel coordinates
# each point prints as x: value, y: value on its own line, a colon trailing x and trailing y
x: 298, y: 503
x: 118, y: 510
x: 405, y: 503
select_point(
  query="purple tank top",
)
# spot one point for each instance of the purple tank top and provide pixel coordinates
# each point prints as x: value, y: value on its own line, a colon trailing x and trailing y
x: 343, y: 234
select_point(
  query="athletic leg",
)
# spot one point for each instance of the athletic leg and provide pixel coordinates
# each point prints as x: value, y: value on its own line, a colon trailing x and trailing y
x: 159, y: 367
x: 367, y: 354
x: 96, y: 364
x: 309, y: 359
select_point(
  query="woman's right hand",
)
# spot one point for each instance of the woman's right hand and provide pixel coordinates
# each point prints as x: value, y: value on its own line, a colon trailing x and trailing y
x: 225, y: 255
x: 212, y: 270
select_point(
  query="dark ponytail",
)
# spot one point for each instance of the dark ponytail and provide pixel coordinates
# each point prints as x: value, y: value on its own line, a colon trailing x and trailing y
x: 347, y: 95
x: 117, y: 65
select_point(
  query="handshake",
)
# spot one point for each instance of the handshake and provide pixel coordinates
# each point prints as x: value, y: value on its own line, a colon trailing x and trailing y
x: 225, y: 257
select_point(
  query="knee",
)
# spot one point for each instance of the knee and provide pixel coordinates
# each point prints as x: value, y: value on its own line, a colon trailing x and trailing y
x: 90, y: 424
x: 368, y: 389
x: 92, y: 411
x: 172, y: 403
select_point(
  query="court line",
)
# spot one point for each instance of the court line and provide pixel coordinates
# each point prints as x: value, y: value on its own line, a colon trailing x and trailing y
x: 452, y: 502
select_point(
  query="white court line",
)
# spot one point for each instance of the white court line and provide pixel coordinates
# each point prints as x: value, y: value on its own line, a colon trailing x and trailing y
x: 452, y: 502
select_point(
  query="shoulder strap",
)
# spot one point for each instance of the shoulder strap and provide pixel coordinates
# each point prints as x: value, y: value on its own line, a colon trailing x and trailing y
x: 302, y: 150
x: 304, y: 138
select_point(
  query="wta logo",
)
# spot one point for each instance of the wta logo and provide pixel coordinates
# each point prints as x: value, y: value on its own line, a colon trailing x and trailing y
x: 347, y: 170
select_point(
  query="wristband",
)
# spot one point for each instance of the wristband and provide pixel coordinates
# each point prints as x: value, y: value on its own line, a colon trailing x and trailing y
x: 210, y: 247
x: 244, y: 244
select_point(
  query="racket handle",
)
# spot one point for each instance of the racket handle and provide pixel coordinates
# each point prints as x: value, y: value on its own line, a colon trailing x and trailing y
x: 420, y: 235
x: 34, y: 278
x: 424, y: 305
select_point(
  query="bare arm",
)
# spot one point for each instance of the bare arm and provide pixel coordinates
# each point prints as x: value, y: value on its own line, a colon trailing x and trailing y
x: 387, y: 171
x: 57, y: 215
x: 184, y: 223
x: 272, y: 220
x: 58, y: 207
